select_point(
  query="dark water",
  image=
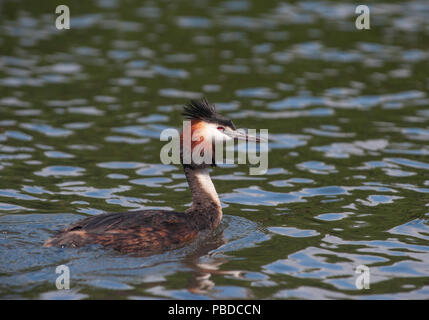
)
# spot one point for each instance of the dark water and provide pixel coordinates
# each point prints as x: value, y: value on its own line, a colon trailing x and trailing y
x: 81, y: 111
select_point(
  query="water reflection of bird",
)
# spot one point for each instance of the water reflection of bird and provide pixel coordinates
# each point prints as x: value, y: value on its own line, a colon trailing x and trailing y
x: 202, y: 282
x: 152, y: 231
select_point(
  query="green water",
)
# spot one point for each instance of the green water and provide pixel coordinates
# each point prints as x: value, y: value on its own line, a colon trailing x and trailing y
x: 81, y: 111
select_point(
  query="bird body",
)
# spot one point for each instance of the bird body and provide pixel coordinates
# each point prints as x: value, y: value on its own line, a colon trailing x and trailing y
x: 148, y: 232
x: 135, y: 232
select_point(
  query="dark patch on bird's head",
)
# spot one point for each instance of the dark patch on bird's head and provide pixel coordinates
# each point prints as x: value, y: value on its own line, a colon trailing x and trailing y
x: 202, y: 110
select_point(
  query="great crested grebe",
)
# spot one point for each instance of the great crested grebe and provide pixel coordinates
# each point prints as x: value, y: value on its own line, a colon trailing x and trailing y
x: 148, y: 232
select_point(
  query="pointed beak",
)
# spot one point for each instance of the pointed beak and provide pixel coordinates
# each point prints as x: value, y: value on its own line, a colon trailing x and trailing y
x: 240, y: 134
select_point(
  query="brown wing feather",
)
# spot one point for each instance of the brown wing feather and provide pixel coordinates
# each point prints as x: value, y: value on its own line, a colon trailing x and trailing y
x: 139, y: 232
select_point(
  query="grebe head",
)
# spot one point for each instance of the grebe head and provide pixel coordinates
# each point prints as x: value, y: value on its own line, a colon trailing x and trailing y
x: 207, y: 128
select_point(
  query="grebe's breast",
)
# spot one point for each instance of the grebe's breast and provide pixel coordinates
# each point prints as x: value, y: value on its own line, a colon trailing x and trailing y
x: 137, y: 232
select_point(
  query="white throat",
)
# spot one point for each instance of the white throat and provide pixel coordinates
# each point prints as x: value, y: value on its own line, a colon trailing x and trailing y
x: 203, y: 191
x: 204, y: 180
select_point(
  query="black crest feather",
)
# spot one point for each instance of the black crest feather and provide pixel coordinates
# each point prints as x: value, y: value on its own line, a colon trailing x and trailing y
x: 203, y: 110
x: 199, y: 110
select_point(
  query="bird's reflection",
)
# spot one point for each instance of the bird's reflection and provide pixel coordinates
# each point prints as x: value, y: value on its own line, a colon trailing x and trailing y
x: 206, y: 261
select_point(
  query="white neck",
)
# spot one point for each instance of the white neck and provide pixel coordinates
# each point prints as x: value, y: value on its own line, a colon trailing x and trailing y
x: 205, y: 200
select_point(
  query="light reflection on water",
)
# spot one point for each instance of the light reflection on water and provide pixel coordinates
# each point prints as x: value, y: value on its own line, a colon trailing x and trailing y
x: 81, y: 112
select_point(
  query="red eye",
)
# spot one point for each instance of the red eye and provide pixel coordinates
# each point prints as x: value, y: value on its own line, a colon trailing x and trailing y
x: 221, y: 128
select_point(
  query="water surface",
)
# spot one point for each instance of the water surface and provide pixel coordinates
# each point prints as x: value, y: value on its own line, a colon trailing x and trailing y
x: 81, y: 111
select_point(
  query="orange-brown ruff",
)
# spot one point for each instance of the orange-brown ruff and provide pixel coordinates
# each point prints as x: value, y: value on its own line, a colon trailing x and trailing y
x: 153, y: 231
